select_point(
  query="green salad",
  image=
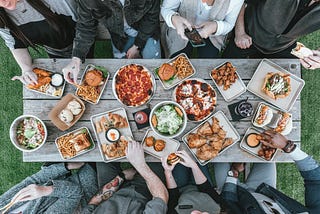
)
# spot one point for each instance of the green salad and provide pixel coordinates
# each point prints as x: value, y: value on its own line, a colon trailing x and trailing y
x: 168, y: 120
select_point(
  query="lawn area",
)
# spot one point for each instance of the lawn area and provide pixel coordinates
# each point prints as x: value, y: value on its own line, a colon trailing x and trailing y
x: 13, y: 170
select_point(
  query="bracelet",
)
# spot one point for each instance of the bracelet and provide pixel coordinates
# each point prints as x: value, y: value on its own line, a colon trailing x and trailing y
x: 290, y: 147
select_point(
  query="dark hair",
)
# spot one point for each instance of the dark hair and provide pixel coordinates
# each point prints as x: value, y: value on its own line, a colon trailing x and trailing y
x: 51, y: 18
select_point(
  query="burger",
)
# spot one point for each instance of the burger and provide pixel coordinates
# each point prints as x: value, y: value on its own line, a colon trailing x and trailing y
x: 301, y: 51
x: 173, y: 159
x: 277, y: 85
x: 94, y: 77
x: 166, y: 71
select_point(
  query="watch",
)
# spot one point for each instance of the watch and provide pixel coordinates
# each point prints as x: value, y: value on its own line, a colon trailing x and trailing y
x: 232, y: 174
x: 290, y: 147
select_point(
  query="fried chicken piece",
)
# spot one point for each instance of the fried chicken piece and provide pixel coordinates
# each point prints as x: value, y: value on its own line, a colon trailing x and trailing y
x: 40, y: 82
x: 222, y: 133
x: 216, y: 145
x: 41, y: 72
x: 206, y: 152
x: 215, y: 125
x: 149, y: 141
x: 205, y: 129
x: 159, y: 145
x: 214, y: 137
x: 110, y: 150
x: 227, y: 142
x: 195, y: 140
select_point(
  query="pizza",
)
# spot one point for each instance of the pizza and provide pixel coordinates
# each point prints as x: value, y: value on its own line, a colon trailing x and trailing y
x: 133, y: 85
x: 197, y: 98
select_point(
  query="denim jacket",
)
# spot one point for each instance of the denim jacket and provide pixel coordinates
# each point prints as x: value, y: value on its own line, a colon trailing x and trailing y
x: 142, y: 15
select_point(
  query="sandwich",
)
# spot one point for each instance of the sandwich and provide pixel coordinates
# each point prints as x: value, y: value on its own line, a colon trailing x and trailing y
x: 173, y: 159
x: 263, y: 116
x: 284, y: 125
x: 80, y: 142
x: 277, y: 85
x: 301, y: 51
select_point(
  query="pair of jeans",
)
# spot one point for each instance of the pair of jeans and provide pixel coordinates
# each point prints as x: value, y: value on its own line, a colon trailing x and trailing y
x: 151, y: 50
x: 183, y: 175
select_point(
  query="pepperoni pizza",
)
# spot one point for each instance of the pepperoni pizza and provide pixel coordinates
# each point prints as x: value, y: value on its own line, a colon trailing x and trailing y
x: 196, y: 97
x: 133, y: 85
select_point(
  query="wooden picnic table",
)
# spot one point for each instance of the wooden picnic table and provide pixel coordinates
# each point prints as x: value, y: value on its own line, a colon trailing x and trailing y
x: 40, y: 105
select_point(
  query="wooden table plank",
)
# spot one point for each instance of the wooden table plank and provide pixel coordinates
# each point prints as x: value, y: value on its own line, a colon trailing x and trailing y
x: 40, y: 105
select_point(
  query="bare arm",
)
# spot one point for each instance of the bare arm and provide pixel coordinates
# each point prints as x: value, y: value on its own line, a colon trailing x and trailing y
x: 24, y: 60
x: 135, y: 155
x: 242, y: 39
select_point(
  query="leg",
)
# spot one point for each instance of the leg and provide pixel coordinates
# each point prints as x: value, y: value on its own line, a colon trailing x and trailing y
x: 220, y: 174
x: 120, y: 55
x: 232, y: 51
x: 152, y: 49
x: 181, y: 175
x: 187, y: 50
x: 208, y: 51
x: 106, y: 172
x: 262, y: 173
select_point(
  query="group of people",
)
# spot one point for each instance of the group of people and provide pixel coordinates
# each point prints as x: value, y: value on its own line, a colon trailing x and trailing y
x: 231, y: 29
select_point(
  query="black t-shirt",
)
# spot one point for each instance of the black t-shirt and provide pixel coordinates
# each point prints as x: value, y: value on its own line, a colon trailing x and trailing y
x: 41, y: 33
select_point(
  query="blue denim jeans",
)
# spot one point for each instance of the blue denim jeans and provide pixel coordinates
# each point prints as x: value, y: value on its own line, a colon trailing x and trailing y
x: 183, y: 175
x: 151, y: 50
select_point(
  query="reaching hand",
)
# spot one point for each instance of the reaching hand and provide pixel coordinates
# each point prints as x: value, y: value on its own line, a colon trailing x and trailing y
x: 180, y: 24
x: 311, y: 62
x: 133, y: 52
x: 166, y: 166
x: 186, y: 160
x: 135, y: 154
x: 207, y: 28
x: 27, y: 78
x: 273, y: 139
x: 71, y: 71
x: 32, y: 192
x: 243, y: 41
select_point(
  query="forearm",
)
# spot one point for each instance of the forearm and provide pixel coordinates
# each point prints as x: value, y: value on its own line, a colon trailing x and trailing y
x: 23, y: 58
x: 155, y: 185
x: 198, y: 175
x: 240, y: 27
x: 169, y: 8
x: 171, y: 183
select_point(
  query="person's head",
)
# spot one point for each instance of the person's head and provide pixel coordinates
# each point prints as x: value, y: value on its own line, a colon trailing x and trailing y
x: 198, y: 212
x: 8, y: 4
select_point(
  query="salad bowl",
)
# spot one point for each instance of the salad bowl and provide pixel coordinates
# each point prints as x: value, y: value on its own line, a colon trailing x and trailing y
x: 28, y: 133
x: 168, y: 119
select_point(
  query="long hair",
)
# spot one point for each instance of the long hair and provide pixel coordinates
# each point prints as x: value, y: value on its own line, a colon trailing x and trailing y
x: 51, y: 18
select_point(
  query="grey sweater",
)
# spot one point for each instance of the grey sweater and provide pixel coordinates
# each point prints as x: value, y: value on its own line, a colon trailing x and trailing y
x: 68, y: 191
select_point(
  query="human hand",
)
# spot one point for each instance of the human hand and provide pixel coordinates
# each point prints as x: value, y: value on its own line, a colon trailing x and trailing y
x: 32, y: 192
x: 311, y: 62
x: 129, y: 173
x: 76, y: 165
x: 273, y: 139
x: 135, y: 154
x: 207, y: 28
x: 133, y: 52
x: 243, y: 40
x: 71, y: 71
x: 167, y: 168
x: 186, y: 159
x: 27, y: 78
x: 181, y: 24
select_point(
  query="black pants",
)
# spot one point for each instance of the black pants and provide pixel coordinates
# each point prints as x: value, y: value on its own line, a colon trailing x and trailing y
x: 232, y: 51
x: 205, y: 52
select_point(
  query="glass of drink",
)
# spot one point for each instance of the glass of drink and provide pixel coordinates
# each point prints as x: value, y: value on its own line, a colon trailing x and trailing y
x: 244, y: 109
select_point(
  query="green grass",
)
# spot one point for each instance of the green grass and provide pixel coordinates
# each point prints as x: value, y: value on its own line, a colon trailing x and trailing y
x: 14, y: 170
